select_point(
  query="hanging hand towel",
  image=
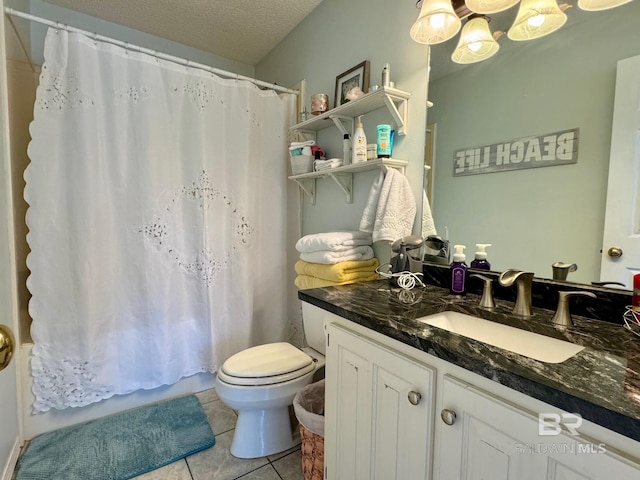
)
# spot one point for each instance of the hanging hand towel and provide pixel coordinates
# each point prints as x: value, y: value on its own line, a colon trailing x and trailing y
x: 391, y: 208
x: 334, y: 241
x: 428, y: 227
x: 325, y: 256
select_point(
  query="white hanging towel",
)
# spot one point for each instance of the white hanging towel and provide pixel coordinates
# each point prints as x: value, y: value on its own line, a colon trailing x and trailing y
x: 391, y: 208
x: 428, y: 226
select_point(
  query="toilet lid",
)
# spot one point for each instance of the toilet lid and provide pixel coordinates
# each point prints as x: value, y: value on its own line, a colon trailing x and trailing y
x: 268, y: 360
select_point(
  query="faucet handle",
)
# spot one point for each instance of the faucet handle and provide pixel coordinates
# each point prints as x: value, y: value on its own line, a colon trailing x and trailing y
x: 562, y: 317
x: 487, y: 292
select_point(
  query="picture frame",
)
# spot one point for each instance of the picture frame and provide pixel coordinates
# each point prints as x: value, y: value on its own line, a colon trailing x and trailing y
x: 357, y: 76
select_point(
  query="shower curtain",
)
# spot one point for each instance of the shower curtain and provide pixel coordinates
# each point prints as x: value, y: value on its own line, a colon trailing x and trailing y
x: 157, y: 221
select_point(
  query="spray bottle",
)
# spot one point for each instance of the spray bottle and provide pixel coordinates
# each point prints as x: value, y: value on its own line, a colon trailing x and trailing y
x: 359, y: 153
x: 481, y: 257
x: 458, y: 271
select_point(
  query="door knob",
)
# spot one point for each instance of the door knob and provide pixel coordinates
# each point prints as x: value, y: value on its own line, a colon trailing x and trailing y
x: 414, y: 397
x: 448, y: 416
x: 6, y: 346
x: 614, y: 252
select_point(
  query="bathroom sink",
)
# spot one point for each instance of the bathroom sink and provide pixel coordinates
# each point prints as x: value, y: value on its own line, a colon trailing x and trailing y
x: 532, y: 345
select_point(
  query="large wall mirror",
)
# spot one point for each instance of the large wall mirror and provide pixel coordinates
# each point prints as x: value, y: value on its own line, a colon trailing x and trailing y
x: 566, y: 80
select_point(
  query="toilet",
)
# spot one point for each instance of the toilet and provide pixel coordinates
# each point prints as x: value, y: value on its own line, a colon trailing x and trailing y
x: 260, y: 383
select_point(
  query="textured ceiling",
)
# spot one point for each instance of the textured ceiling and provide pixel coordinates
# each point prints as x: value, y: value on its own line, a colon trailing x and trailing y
x: 241, y: 30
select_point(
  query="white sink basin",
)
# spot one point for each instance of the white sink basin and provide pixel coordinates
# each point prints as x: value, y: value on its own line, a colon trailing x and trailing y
x: 532, y: 345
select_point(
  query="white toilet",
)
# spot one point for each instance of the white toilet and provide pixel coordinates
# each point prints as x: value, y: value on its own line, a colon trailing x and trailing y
x: 260, y: 383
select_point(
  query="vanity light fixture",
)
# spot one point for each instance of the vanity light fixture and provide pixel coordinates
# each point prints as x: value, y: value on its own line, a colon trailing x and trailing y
x: 490, y: 6
x: 597, y: 5
x: 436, y: 23
x: 537, y: 18
x: 476, y: 42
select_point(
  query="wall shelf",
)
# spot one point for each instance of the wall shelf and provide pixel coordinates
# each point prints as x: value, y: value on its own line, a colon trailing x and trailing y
x: 395, y: 100
x: 343, y: 176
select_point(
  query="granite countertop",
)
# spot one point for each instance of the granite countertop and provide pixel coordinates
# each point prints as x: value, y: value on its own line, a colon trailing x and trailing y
x: 601, y: 382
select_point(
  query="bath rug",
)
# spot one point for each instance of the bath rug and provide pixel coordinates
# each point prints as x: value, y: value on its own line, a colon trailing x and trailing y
x: 120, y: 446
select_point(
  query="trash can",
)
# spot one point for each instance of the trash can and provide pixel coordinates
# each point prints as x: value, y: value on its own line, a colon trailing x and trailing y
x: 308, y: 405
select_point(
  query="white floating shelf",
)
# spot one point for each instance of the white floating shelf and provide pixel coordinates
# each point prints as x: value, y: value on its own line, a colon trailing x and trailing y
x: 343, y: 176
x: 395, y: 100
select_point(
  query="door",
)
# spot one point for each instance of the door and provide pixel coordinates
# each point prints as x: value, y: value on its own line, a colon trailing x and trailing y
x: 622, y: 217
x: 378, y: 411
x: 489, y: 438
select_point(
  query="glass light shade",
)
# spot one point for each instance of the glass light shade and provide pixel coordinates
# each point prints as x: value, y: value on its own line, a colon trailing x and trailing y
x: 489, y: 6
x: 536, y: 18
x: 476, y: 42
x: 596, y: 5
x: 436, y: 23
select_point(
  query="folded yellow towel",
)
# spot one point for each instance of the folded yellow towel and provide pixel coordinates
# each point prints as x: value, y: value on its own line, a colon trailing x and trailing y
x: 338, y: 272
x: 306, y: 281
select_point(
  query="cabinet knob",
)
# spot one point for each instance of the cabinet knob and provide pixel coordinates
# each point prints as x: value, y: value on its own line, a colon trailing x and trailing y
x: 448, y: 416
x: 414, y: 397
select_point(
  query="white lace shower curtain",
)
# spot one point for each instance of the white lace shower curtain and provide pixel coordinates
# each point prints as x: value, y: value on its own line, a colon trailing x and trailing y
x: 157, y: 205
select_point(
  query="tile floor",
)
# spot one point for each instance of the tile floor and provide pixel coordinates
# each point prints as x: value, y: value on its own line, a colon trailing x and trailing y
x: 217, y: 463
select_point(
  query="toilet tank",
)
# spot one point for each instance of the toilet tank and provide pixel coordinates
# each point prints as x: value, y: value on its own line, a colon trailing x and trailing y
x: 313, y: 322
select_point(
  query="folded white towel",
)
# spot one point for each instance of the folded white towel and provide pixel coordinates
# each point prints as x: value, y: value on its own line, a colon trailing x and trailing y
x: 391, y: 208
x: 328, y: 257
x: 428, y: 227
x: 308, y: 143
x: 320, y: 165
x: 332, y: 241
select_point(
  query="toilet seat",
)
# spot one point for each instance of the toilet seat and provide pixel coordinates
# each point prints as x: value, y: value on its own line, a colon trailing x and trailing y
x: 266, y: 365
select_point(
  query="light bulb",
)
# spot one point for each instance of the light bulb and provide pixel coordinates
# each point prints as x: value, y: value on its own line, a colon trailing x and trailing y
x: 536, y: 21
x: 475, y: 46
x: 437, y: 20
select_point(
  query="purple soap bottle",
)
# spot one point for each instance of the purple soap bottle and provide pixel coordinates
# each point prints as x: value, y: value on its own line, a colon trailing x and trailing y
x: 458, y: 271
x: 481, y: 261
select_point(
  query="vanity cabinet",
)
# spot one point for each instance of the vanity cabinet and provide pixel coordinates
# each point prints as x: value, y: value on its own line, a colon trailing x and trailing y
x: 460, y: 426
x: 487, y: 437
x: 378, y: 411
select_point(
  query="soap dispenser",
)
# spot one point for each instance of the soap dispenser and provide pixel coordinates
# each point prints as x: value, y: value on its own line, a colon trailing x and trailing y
x: 359, y: 143
x: 458, y: 271
x: 480, y: 261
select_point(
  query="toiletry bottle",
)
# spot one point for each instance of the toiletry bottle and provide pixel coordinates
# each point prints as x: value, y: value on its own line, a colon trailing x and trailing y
x: 458, y: 271
x: 384, y: 141
x: 346, y: 149
x: 359, y: 153
x: 481, y: 257
x: 635, y: 300
x: 386, y: 75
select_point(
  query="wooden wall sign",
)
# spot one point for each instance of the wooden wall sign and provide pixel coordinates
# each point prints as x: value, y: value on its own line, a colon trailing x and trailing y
x: 551, y: 149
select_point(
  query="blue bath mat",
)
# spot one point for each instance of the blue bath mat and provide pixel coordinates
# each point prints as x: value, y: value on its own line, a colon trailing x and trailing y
x: 120, y: 446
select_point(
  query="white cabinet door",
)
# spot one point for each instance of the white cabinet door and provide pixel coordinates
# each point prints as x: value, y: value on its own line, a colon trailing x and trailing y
x: 492, y: 439
x: 378, y: 411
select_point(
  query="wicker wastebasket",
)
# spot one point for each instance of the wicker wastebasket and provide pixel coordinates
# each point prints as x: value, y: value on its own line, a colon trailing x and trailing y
x: 308, y: 405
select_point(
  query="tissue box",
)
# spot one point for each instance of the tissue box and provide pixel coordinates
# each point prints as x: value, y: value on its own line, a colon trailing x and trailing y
x: 301, y: 164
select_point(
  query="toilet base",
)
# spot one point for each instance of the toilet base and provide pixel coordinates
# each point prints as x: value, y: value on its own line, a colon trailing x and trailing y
x: 262, y: 432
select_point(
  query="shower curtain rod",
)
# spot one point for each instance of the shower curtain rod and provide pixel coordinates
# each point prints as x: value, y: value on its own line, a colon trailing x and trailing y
x: 148, y: 51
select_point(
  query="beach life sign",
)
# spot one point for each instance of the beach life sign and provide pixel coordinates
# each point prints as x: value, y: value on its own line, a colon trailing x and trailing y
x: 551, y: 149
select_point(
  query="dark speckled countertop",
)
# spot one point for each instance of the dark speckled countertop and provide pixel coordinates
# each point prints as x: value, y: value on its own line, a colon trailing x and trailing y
x: 602, y: 382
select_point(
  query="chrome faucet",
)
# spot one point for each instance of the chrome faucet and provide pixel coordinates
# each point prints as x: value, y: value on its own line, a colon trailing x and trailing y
x: 523, y: 281
x: 562, y: 317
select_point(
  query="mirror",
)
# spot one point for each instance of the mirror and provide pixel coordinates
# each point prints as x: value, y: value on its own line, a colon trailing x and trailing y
x: 533, y: 217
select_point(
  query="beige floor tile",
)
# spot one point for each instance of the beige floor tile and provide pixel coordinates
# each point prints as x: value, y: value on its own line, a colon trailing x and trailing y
x: 221, y: 418
x: 174, y: 471
x: 290, y: 467
x: 207, y: 396
x: 276, y: 456
x: 263, y: 473
x: 218, y: 463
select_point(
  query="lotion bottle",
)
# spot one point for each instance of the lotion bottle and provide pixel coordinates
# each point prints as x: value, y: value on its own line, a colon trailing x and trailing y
x: 359, y: 153
x: 458, y: 271
x: 481, y: 257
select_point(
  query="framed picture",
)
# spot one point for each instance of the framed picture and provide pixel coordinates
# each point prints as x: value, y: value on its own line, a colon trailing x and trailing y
x: 357, y: 76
